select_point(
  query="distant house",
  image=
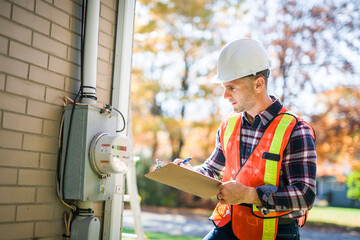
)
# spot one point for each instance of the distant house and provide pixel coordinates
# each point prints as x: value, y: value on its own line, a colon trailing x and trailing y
x: 333, y: 192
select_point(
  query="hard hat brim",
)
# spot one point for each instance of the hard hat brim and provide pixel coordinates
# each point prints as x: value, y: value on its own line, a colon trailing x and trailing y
x: 216, y: 79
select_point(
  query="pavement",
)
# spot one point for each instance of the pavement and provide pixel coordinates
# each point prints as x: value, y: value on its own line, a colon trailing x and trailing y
x: 185, y: 224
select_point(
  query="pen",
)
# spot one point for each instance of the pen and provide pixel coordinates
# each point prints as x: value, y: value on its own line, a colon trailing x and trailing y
x: 186, y: 160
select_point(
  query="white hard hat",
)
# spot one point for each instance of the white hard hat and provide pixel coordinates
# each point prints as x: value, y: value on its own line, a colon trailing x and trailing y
x: 241, y: 58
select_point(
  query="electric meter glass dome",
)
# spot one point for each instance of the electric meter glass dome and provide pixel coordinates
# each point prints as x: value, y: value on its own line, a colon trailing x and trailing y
x: 110, y: 154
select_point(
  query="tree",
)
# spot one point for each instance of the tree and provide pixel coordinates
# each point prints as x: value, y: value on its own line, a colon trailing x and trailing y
x: 310, y: 40
x: 146, y: 114
x: 177, y: 39
x: 353, y: 183
x: 338, y: 131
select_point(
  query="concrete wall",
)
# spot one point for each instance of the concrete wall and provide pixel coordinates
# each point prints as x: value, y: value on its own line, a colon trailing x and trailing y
x: 39, y: 64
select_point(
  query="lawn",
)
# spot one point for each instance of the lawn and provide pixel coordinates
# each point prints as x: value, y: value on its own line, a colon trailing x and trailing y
x: 343, y: 217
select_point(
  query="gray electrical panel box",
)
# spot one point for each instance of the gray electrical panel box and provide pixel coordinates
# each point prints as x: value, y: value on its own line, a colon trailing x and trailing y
x: 78, y: 181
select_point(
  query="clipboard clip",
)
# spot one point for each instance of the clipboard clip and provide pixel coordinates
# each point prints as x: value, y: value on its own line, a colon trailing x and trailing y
x: 159, y: 164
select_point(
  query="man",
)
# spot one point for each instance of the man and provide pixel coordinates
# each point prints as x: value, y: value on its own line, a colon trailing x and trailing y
x: 264, y: 154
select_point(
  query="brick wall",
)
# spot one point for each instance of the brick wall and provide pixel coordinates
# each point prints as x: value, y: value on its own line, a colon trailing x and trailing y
x: 39, y: 64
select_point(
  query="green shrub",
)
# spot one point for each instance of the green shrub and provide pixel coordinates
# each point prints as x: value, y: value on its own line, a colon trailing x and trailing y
x: 153, y: 193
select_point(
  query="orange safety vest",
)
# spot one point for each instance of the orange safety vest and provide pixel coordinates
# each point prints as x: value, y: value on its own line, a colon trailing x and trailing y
x: 262, y: 167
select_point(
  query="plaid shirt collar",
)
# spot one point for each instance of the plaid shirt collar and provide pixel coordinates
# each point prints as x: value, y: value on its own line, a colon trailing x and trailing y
x: 268, y: 114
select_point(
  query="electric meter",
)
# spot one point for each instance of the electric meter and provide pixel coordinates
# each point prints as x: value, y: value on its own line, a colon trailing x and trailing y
x: 110, y: 154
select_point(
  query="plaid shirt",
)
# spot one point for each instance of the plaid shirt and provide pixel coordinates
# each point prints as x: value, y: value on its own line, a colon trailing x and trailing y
x: 297, y: 185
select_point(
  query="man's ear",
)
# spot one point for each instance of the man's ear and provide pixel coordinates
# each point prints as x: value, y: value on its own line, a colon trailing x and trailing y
x: 259, y: 84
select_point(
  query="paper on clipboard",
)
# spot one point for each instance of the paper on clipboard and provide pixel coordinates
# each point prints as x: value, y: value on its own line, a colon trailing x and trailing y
x: 186, y: 180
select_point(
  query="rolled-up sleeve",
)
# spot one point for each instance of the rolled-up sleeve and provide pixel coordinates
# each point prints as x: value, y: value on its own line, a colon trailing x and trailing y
x: 297, y: 189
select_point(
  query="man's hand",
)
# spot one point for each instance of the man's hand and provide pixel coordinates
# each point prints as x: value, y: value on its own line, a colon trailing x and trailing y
x: 179, y: 162
x: 235, y: 193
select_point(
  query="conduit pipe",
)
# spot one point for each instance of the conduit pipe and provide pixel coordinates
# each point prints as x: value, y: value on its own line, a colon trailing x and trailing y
x: 90, y: 52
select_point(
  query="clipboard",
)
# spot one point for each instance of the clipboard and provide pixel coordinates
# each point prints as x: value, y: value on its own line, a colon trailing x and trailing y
x: 186, y: 180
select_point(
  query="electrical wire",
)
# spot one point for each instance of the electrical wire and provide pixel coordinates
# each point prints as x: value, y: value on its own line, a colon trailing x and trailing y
x: 68, y: 142
x: 123, y: 118
x: 59, y: 167
x: 66, y: 98
x: 68, y: 215
x: 105, y: 109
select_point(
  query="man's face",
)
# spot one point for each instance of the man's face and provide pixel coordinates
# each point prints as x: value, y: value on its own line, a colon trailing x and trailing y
x: 240, y: 94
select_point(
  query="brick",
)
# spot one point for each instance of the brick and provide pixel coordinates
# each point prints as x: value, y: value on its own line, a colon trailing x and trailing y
x: 34, y: 212
x: 109, y: 3
x: 64, y: 67
x: 15, y: 31
x: 106, y: 40
x: 44, y: 110
x: 3, y: 45
x: 103, y: 96
x: 74, y: 55
x: 59, y: 211
x: 10, y: 139
x: 54, y: 96
x: 75, y: 25
x: 36, y: 177
x: 69, y: 7
x: 31, y: 20
x: 22, y: 123
x: 17, y: 230
x: 72, y: 85
x: 46, y: 77
x: 48, y: 161
x: 28, y: 4
x: 49, y: 45
x: 40, y: 143
x: 12, y: 103
x: 16, y: 158
x: 14, y: 67
x: 51, y: 128
x: 2, y: 81
x: 25, y: 88
x: 46, y: 194
x: 105, y: 26
x: 8, y: 176
x: 49, y: 228
x: 107, y: 13
x: 28, y: 54
x: 7, y: 213
x: 103, y: 81
x: 104, y: 67
x: 17, y: 194
x: 53, y: 14
x: 5, y: 9
x: 64, y: 35
x: 103, y: 53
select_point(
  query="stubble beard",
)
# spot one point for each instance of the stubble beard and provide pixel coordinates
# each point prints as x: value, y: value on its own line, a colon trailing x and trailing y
x: 247, y: 104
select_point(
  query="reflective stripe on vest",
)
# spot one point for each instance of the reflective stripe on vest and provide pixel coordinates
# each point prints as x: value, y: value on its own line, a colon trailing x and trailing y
x: 271, y: 166
x: 229, y: 129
